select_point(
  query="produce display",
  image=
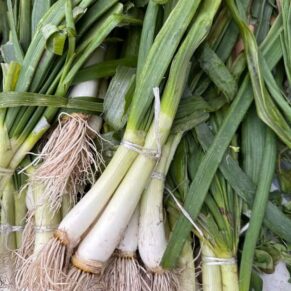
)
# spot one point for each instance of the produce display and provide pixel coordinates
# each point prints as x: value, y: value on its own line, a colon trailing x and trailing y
x: 145, y: 145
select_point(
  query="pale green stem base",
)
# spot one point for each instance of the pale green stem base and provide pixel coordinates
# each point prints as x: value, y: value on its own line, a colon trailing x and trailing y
x: 211, y: 275
x: 7, y: 241
x: 229, y: 275
x: 187, y: 277
x: 45, y: 221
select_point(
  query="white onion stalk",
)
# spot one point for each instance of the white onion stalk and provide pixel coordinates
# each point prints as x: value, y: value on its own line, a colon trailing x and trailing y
x: 152, y: 239
x: 123, y: 272
x: 101, y: 241
x: 69, y: 157
x: 211, y: 274
x: 7, y: 238
x: 120, y: 176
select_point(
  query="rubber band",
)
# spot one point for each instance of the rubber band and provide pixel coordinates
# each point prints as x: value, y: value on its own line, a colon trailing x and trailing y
x: 44, y: 228
x: 212, y: 261
x: 158, y: 176
x: 6, y: 172
x: 151, y: 153
x: 7, y: 228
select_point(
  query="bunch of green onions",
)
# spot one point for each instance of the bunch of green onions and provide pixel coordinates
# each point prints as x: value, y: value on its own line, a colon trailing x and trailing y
x: 132, y: 155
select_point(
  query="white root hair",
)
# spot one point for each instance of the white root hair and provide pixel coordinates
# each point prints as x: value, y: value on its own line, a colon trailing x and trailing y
x: 69, y: 160
x: 44, y: 271
x: 79, y: 280
x: 162, y: 280
x: 123, y: 273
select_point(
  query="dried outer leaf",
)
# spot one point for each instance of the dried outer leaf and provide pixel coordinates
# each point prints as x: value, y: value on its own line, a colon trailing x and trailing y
x: 15, y: 99
x: 266, y: 108
x: 103, y: 69
x: 218, y: 72
x: 118, y: 97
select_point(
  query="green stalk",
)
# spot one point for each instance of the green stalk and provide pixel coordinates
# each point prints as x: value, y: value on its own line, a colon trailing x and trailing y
x: 258, y: 210
x: 147, y: 35
x: 7, y: 240
x: 100, y: 32
x: 229, y: 273
x: 20, y: 201
x: 267, y: 110
x: 161, y: 52
x: 24, y: 23
x: 187, y: 265
x: 207, y: 169
x: 44, y: 218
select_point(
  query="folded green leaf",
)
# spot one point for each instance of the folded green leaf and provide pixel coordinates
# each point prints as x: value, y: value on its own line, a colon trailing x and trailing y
x: 15, y: 99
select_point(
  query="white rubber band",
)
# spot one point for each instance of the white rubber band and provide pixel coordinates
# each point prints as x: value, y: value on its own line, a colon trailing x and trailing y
x: 212, y: 261
x: 6, y: 172
x: 154, y: 154
x: 141, y: 150
x: 158, y: 176
x: 44, y: 228
x: 7, y: 228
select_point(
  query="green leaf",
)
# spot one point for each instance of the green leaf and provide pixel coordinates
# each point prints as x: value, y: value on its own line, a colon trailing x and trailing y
x: 55, y: 38
x: 118, y: 97
x: 218, y: 72
x: 266, y: 108
x: 103, y: 69
x: 15, y: 99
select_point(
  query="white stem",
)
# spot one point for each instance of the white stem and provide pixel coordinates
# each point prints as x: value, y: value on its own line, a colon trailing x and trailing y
x: 45, y: 220
x: 186, y: 264
x: 211, y: 274
x: 79, y: 219
x: 89, y: 88
x: 105, y: 235
x: 129, y: 242
x: 152, y: 240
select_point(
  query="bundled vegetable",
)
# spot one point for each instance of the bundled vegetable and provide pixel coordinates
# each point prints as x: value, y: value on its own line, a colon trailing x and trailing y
x: 144, y: 145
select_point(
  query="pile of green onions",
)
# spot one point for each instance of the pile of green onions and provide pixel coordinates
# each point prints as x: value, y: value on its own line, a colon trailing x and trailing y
x: 132, y: 155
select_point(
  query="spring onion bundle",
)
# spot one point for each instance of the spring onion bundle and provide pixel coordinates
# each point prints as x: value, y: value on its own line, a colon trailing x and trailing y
x: 145, y: 144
